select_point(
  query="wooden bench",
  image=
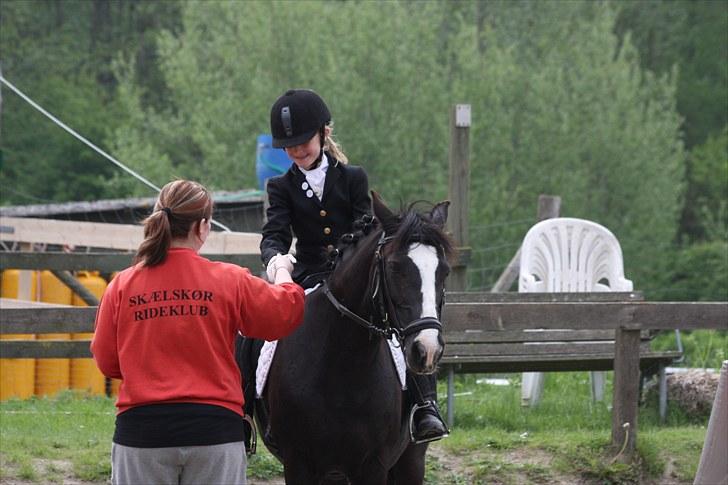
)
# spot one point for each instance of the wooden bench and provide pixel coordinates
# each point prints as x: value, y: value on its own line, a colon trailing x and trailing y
x: 474, y: 348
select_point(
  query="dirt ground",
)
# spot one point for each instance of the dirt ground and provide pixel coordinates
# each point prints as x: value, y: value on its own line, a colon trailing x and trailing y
x: 511, y: 467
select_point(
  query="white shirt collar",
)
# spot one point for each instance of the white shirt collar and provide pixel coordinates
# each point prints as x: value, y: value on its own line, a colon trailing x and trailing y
x: 316, y: 177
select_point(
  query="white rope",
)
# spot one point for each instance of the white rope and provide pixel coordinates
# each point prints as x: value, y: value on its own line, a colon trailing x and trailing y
x: 94, y: 147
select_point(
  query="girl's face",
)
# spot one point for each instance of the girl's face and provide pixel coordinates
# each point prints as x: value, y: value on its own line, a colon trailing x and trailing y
x: 305, y: 154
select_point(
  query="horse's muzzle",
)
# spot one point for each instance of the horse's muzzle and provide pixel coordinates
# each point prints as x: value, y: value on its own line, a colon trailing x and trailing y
x: 423, y: 345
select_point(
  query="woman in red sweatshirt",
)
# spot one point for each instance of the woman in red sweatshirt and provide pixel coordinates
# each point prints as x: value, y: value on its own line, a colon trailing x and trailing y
x: 166, y: 327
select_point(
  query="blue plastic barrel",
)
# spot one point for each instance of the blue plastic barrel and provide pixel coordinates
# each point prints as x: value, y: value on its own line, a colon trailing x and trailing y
x: 269, y: 161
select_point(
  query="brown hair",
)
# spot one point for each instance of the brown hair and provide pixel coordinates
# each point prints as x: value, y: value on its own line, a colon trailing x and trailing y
x: 180, y: 205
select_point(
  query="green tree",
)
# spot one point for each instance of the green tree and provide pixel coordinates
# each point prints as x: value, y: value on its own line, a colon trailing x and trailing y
x: 59, y: 52
x: 568, y: 111
x: 376, y: 64
x: 706, y: 216
x: 690, y: 34
x: 565, y: 109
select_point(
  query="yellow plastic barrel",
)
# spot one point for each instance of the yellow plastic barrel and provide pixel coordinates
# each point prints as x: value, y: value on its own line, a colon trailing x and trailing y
x: 52, y: 375
x: 84, y: 373
x: 17, y: 376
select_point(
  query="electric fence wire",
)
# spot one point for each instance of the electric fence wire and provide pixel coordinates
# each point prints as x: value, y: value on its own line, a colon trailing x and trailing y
x: 88, y: 143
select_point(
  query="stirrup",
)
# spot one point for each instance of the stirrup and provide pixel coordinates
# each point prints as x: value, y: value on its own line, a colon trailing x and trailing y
x: 249, y: 451
x: 416, y: 407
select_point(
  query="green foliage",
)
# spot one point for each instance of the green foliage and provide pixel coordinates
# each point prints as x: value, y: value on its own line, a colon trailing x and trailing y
x: 705, y: 216
x: 692, y: 35
x: 59, y: 53
x: 565, y: 110
x: 696, y: 272
x: 689, y: 37
x: 572, y: 115
x: 578, y: 99
x: 702, y: 348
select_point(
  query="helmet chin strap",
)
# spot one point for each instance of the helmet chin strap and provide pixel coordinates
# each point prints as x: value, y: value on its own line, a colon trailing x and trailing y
x: 322, y: 136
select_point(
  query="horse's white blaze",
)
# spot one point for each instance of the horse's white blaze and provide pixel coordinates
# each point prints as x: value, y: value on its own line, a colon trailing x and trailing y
x: 425, y: 258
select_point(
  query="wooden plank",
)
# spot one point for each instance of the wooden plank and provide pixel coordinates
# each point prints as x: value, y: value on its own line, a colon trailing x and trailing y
x: 594, y: 315
x: 511, y: 297
x: 103, y: 262
x: 47, y: 320
x: 563, y: 363
x: 7, y: 303
x: 485, y: 336
x: 113, y: 236
x: 480, y: 336
x: 45, y: 349
x: 528, y: 351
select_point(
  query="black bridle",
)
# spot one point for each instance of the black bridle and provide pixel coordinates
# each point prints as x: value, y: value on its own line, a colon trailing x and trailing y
x: 381, y: 300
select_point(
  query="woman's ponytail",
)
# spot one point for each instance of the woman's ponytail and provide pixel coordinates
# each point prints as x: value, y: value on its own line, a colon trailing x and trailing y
x: 180, y: 204
x: 157, y: 239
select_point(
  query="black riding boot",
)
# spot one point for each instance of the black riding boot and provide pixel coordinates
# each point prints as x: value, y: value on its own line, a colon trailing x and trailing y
x: 426, y: 423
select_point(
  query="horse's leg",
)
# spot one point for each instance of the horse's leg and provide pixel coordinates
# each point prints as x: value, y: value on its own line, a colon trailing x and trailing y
x: 297, y: 472
x: 410, y: 468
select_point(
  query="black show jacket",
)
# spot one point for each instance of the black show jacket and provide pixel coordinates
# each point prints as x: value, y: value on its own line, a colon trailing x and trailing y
x: 317, y: 225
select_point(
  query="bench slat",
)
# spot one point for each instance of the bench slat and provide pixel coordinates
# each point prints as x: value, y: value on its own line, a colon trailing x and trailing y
x: 528, y: 351
x: 485, y: 336
x: 512, y: 297
x: 566, y: 362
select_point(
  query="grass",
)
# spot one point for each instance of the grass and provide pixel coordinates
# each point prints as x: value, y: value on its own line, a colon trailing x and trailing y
x: 71, y: 428
x: 571, y: 429
x: 494, y: 440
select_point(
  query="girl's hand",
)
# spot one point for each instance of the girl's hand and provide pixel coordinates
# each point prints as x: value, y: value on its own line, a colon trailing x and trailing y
x: 280, y: 262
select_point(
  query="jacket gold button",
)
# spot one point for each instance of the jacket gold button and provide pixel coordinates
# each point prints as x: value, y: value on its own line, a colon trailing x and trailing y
x: 322, y: 213
x: 327, y: 230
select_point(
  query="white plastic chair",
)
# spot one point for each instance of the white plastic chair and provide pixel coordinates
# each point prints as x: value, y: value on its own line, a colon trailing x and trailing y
x: 569, y: 255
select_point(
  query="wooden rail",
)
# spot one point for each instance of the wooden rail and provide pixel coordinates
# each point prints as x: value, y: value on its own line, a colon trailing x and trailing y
x: 103, y: 262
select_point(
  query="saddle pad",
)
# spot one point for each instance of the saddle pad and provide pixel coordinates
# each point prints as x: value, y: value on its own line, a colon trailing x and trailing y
x: 269, y: 349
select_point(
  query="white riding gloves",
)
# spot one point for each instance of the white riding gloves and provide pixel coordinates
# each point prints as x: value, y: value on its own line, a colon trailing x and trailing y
x: 279, y: 261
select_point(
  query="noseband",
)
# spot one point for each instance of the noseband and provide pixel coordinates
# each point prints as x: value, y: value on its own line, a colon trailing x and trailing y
x: 381, y: 300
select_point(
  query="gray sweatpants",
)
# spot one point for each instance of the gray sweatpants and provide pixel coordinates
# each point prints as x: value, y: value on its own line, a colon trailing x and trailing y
x: 223, y: 464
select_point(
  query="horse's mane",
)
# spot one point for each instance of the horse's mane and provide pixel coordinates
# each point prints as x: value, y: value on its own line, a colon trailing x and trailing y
x: 416, y: 226
x: 409, y: 226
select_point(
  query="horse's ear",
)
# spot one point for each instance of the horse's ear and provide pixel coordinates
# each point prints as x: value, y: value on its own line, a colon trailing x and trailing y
x: 438, y: 214
x: 380, y: 210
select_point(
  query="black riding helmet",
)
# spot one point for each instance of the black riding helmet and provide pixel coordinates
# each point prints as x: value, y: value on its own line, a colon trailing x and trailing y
x: 296, y: 117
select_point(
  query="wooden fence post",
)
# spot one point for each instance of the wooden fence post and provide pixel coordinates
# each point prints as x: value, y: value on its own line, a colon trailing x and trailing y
x: 626, y: 390
x: 457, y: 220
x: 459, y: 191
x: 549, y: 206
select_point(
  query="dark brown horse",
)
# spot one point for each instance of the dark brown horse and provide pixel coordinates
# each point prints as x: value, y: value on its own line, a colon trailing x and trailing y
x: 335, y: 408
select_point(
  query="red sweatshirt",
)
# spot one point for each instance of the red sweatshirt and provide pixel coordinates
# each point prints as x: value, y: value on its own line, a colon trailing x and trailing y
x: 168, y: 331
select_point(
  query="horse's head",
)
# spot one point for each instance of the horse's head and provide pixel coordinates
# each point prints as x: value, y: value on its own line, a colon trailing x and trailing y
x: 414, y: 264
x: 414, y: 253
x: 406, y: 259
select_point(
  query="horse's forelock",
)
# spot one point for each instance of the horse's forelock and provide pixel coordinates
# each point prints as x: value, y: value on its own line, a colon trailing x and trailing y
x: 410, y: 226
x: 417, y: 227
